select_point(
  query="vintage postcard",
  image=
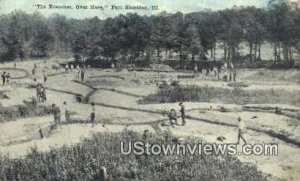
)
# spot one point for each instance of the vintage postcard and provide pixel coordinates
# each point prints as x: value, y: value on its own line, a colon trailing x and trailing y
x: 143, y: 90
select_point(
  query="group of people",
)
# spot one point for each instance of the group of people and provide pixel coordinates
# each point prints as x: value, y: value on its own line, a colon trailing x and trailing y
x: 40, y: 92
x: 173, y: 120
x: 57, y: 114
x: 58, y: 118
x: 173, y: 115
x: 80, y: 71
x: 5, y: 78
x: 227, y: 72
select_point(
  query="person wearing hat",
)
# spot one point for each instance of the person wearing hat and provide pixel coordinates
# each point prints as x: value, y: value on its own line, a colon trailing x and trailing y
x: 182, y: 111
x: 242, y: 130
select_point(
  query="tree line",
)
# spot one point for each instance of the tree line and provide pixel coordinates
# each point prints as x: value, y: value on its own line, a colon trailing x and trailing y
x: 189, y: 37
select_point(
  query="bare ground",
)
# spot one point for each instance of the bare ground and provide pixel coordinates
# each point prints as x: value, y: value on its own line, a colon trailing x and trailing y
x: 116, y: 106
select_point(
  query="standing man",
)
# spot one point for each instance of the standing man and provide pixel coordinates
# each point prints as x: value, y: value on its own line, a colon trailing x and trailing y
x: 182, y: 111
x: 93, y: 116
x: 43, y: 95
x: 234, y: 74
x: 242, y: 130
x: 195, y: 70
x: 56, y: 114
x: 7, y: 80
x: 45, y: 74
x: 38, y: 91
x: 78, y: 70
x: 66, y: 111
x: 33, y: 71
x: 82, y: 72
x: 3, y: 78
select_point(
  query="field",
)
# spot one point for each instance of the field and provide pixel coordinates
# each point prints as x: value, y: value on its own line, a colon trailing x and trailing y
x: 267, y: 100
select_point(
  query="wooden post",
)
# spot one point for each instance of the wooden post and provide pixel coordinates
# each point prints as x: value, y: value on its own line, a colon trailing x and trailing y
x: 102, y: 174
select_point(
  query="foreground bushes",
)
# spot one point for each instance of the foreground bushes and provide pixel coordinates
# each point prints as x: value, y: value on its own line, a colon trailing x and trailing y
x: 237, y: 95
x: 82, y: 162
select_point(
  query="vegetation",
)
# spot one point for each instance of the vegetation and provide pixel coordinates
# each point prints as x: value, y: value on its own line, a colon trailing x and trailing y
x: 236, y: 95
x: 28, y: 109
x: 130, y: 38
x: 83, y: 161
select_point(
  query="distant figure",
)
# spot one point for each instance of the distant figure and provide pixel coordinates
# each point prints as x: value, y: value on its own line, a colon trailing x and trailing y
x: 7, y: 78
x: 43, y: 95
x: 182, y: 111
x: 93, y: 116
x: 3, y: 78
x: 113, y: 66
x: 78, y: 70
x: 33, y: 71
x: 56, y: 114
x: 71, y: 67
x: 204, y: 73
x: 82, y: 72
x: 34, y: 82
x: 66, y: 111
x: 38, y: 90
x: 67, y: 68
x: 219, y: 72
x: 15, y: 65
x: 41, y: 133
x: 134, y: 70
x: 173, y: 116
x: 45, y: 74
x: 234, y: 74
x: 215, y: 70
x: 195, y: 69
x: 242, y: 130
x: 225, y: 76
x: 145, y: 134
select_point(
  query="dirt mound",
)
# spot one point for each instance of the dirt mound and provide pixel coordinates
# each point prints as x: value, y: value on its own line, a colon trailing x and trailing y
x: 160, y: 67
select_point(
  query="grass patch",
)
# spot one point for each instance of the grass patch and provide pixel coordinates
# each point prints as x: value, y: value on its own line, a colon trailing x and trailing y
x: 171, y: 94
x: 237, y: 84
x: 83, y: 162
x: 28, y: 109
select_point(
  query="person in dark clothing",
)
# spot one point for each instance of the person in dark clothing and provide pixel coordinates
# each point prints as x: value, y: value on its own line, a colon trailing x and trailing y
x: 3, y: 78
x: 45, y: 75
x: 182, y: 111
x: 82, y: 72
x: 7, y: 79
x: 67, y: 112
x: 93, y: 116
x: 173, y: 116
x: 242, y: 131
x: 43, y: 95
x: 56, y: 114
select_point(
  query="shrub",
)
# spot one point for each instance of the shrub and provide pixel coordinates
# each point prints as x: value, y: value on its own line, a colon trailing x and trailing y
x: 83, y: 162
x: 29, y: 109
x: 236, y: 95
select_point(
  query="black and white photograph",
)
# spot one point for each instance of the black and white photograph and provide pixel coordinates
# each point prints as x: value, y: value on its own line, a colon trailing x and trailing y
x: 150, y: 90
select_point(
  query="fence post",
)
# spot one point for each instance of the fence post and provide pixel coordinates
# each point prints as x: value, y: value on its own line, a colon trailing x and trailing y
x: 103, y: 174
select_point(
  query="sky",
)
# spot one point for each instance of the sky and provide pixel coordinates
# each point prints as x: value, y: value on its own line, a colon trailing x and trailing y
x: 171, y: 6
